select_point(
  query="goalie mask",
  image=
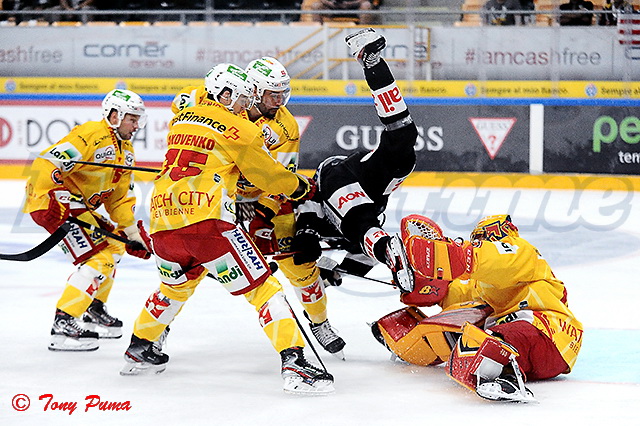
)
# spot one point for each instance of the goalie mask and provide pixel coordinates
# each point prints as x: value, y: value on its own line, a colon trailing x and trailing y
x: 494, y: 228
x: 232, y: 80
x: 269, y: 74
x: 124, y: 102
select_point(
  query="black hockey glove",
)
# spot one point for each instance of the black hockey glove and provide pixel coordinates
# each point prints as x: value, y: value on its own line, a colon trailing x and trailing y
x: 328, y: 273
x: 306, y: 246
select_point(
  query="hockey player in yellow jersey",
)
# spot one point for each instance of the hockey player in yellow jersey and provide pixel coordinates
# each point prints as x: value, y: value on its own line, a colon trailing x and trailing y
x: 58, y: 188
x: 272, y: 225
x: 194, y: 232
x: 500, y: 283
x: 271, y: 218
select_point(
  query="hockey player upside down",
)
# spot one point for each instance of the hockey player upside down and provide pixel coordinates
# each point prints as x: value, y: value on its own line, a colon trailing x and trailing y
x: 505, y: 317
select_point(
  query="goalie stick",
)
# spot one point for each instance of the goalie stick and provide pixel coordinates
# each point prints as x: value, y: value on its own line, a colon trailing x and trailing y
x: 53, y: 239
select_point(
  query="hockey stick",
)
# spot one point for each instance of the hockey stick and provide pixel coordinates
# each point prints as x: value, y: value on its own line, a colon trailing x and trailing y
x: 331, y: 265
x: 111, y: 166
x: 342, y: 271
x: 53, y: 239
x: 134, y: 244
x: 306, y: 337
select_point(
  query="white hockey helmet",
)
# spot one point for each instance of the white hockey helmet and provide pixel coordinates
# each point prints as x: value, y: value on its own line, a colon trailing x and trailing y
x: 233, y: 78
x: 269, y: 74
x: 124, y: 102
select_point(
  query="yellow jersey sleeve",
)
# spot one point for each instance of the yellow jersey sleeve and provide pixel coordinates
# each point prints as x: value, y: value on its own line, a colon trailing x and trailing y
x: 93, y: 185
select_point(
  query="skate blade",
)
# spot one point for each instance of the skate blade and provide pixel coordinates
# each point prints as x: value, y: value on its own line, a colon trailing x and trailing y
x: 103, y: 332
x: 339, y: 355
x: 296, y: 386
x: 141, y: 369
x: 61, y: 343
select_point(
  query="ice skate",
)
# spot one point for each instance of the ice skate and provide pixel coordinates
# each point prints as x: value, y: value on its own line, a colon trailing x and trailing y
x: 302, y: 378
x: 366, y: 46
x: 397, y: 261
x: 97, y: 319
x: 143, y: 357
x: 505, y: 389
x: 327, y: 337
x: 67, y: 335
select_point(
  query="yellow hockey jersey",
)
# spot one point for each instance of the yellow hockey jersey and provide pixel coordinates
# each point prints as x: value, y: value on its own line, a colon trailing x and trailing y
x: 282, y: 138
x: 92, y: 185
x: 207, y: 149
x: 515, y: 280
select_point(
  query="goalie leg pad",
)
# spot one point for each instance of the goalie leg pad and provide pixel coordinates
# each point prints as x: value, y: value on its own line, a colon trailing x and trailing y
x: 443, y: 330
x: 402, y: 336
x: 478, y: 355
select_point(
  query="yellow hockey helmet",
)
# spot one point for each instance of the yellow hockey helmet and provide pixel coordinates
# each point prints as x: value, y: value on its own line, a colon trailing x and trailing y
x: 494, y: 228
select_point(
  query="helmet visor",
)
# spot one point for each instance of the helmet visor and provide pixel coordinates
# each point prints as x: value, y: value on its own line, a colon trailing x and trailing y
x: 280, y: 98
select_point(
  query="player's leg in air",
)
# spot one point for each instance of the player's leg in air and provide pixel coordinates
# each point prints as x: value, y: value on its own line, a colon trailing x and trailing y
x: 394, y: 159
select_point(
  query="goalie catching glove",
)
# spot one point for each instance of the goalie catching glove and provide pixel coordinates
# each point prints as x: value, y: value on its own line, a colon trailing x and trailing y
x: 140, y: 245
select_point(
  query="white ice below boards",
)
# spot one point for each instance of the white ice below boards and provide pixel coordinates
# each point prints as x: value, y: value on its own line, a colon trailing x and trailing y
x: 224, y: 371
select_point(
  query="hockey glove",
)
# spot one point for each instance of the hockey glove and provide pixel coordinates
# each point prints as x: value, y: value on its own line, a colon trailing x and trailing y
x: 261, y: 230
x: 141, y: 242
x: 306, y: 189
x: 306, y: 246
x: 328, y: 273
x: 56, y: 213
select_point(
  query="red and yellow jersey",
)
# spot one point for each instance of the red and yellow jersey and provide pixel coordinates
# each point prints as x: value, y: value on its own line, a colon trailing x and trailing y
x: 515, y: 280
x: 188, y: 97
x: 208, y: 148
x: 91, y: 185
x: 282, y: 138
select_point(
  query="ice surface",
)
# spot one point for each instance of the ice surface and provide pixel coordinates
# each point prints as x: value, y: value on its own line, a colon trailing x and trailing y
x: 223, y: 371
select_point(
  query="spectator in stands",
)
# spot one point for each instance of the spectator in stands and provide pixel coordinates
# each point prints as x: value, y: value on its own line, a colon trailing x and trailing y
x: 496, y: 12
x: 576, y: 18
x: 527, y: 18
x: 35, y: 5
x: 70, y: 6
x: 348, y: 6
x: 614, y: 8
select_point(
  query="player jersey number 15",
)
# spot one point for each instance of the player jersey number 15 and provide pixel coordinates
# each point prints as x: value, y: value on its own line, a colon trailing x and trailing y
x: 185, y: 163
